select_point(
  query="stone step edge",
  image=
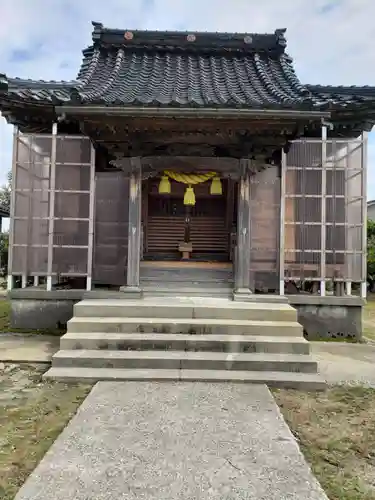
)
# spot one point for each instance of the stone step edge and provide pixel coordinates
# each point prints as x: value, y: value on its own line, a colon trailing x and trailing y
x: 183, y: 321
x: 185, y: 304
x: 167, y: 286
x: 206, y: 281
x: 287, y: 380
x: 104, y: 341
x: 78, y: 354
x: 199, y: 292
x: 258, y: 339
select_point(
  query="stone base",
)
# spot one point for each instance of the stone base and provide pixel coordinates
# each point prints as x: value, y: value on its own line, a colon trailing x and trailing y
x: 36, y: 314
x: 243, y: 291
x: 131, y: 292
x: 261, y: 298
x: 185, y: 249
x: 321, y: 317
x: 324, y: 321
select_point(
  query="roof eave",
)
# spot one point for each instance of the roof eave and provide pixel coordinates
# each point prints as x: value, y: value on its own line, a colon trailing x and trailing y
x: 153, y: 112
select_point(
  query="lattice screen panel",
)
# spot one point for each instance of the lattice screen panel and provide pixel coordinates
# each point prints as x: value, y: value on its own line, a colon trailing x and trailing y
x: 324, y: 215
x: 51, y: 231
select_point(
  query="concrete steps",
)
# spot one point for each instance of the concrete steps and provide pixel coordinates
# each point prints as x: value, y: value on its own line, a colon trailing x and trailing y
x: 184, y: 342
x: 153, y: 289
x: 186, y: 339
x: 184, y: 325
x: 183, y: 308
x: 303, y: 381
x: 187, y: 275
x: 190, y: 281
x: 182, y: 360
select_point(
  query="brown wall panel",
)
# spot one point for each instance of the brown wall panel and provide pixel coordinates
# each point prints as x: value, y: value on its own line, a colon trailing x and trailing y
x: 111, y: 228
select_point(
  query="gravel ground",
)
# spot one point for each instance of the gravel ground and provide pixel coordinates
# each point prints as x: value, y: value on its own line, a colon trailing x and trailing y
x: 20, y: 382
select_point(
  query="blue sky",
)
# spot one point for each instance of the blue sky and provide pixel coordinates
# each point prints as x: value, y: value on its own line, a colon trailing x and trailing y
x: 331, y: 41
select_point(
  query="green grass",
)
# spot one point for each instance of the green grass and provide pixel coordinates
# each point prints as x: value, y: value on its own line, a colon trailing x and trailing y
x: 348, y: 340
x: 335, y: 430
x: 5, y: 323
x: 336, y: 433
x: 368, y: 318
x: 29, y: 425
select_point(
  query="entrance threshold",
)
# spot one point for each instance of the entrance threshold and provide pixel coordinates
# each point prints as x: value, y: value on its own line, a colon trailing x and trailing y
x: 184, y: 264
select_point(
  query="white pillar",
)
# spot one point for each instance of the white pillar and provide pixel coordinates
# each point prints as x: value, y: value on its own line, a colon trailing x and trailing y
x: 10, y: 279
x: 323, y: 213
x: 364, y: 214
x: 24, y: 281
x: 88, y: 283
x: 282, y: 224
x: 90, y: 248
x: 49, y: 283
x: 51, y: 207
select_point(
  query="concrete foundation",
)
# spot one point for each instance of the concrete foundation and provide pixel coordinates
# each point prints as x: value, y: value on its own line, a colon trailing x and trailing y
x: 329, y: 317
x: 40, y: 314
x: 36, y: 309
x: 321, y: 317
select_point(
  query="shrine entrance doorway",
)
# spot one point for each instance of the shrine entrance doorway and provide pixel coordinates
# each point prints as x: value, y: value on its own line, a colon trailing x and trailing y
x: 208, y: 226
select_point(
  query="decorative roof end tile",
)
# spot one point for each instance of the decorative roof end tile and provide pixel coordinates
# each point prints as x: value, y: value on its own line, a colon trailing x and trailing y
x: 280, y: 33
x: 4, y: 85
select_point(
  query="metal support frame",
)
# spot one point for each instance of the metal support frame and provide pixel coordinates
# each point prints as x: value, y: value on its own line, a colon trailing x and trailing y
x: 364, y: 213
x: 12, y: 208
x: 52, y: 186
x: 91, y: 221
x: 323, y: 213
x: 134, y: 231
x: 348, y: 263
x: 24, y: 278
x: 31, y: 185
x: 283, y: 167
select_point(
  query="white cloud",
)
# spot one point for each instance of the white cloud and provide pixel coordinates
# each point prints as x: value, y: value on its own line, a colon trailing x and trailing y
x: 330, y: 40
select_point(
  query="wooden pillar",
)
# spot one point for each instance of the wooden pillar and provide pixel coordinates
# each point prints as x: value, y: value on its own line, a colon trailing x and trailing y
x: 134, y: 229
x: 242, y: 258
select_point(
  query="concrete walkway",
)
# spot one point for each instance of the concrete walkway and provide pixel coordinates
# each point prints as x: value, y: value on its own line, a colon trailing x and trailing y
x: 174, y: 441
x: 346, y: 363
x: 338, y: 362
x: 27, y: 348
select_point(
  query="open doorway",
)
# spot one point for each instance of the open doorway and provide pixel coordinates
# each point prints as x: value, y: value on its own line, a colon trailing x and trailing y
x: 209, y: 225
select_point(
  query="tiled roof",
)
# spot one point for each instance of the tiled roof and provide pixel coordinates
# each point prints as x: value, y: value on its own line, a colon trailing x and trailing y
x: 170, y: 78
x: 344, y: 95
x: 178, y: 69
x: 36, y: 91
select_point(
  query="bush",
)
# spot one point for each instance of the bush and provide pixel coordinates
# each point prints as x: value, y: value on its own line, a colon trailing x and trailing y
x: 371, y: 254
x: 4, y: 243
